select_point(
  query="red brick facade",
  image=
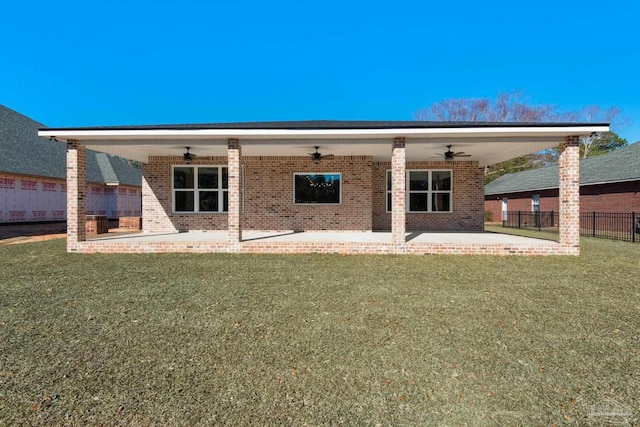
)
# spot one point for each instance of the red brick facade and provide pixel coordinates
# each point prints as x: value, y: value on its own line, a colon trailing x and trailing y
x: 267, y: 197
x: 467, y: 196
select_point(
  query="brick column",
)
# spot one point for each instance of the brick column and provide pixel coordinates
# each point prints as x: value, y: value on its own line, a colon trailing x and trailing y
x: 569, y: 194
x: 76, y: 194
x: 234, y: 224
x: 398, y: 190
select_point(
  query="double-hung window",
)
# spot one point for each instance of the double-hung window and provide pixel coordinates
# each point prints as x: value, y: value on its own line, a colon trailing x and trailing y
x: 200, y: 189
x: 427, y: 191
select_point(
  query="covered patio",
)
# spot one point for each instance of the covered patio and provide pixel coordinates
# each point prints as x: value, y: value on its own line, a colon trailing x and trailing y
x: 398, y: 187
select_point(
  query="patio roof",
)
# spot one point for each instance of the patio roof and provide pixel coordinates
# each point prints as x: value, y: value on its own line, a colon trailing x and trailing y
x: 486, y: 142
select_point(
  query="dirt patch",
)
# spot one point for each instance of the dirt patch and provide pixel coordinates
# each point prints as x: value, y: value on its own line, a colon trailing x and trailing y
x: 31, y: 239
x: 11, y: 234
x: 25, y: 233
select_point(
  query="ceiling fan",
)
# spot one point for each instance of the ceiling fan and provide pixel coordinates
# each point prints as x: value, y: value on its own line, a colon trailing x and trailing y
x: 449, y: 155
x: 188, y: 156
x: 316, y: 157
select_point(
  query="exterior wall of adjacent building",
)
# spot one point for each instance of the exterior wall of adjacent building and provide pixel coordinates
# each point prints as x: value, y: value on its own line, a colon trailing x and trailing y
x: 622, y: 197
x: 114, y: 201
x: 268, y: 192
x: 34, y: 199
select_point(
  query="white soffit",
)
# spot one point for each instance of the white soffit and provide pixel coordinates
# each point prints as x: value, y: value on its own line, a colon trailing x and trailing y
x: 486, y: 145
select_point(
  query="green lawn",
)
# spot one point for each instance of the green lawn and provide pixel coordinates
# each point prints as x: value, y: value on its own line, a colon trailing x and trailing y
x: 183, y: 339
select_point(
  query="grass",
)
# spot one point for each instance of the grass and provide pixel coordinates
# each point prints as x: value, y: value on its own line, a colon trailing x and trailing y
x: 526, y: 232
x: 182, y: 339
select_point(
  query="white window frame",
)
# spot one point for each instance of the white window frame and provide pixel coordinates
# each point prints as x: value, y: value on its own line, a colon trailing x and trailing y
x: 429, y: 191
x: 388, y: 201
x: 317, y: 173
x: 505, y: 208
x: 535, y: 203
x: 196, y: 190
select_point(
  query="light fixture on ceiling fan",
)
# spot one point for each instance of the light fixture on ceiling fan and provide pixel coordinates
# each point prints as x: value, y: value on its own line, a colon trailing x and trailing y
x: 316, y: 157
x: 188, y: 157
x: 449, y: 155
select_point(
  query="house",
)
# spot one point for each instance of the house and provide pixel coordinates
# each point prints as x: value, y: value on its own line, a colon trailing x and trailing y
x: 609, y: 183
x: 320, y: 186
x: 33, y: 177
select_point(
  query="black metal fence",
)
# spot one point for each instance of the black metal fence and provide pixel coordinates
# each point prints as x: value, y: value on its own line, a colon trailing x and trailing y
x: 604, y: 225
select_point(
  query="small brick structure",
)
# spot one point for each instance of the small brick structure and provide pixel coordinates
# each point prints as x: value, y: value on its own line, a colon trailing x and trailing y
x: 130, y: 223
x: 97, y: 224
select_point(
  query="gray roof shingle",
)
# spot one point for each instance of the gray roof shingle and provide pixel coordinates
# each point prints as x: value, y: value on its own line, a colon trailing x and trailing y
x: 620, y: 165
x: 23, y: 152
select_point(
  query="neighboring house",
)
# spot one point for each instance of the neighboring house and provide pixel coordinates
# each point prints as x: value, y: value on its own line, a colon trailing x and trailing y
x: 609, y: 183
x: 33, y: 177
x: 304, y: 179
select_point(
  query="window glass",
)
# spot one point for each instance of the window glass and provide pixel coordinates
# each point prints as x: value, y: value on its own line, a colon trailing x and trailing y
x: 208, y: 201
x: 419, y: 180
x: 441, y: 180
x: 184, y: 201
x: 418, y: 202
x: 208, y: 196
x: 427, y: 191
x: 225, y: 178
x: 317, y: 188
x: 440, y: 202
x: 207, y: 177
x: 183, y: 177
x: 388, y: 180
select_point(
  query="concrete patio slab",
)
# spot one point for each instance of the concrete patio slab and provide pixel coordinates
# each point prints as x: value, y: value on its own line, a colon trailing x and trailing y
x: 327, y: 242
x: 285, y: 236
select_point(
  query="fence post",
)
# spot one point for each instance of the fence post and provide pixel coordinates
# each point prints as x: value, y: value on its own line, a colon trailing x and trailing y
x: 593, y: 223
x: 633, y: 227
x: 519, y: 212
x: 553, y: 223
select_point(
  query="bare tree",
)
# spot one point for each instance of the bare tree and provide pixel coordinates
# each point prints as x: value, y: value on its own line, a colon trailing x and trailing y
x: 515, y: 107
x: 507, y: 107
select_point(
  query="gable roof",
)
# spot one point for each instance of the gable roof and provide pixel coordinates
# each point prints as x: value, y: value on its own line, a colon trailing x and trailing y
x: 618, y: 166
x: 23, y: 152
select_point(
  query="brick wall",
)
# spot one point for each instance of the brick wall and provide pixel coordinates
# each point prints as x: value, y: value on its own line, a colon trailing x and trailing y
x: 267, y: 202
x: 268, y: 194
x: 467, y: 202
x: 157, y: 196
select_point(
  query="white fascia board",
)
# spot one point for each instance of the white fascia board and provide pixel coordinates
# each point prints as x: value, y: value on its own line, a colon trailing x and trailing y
x: 319, y: 133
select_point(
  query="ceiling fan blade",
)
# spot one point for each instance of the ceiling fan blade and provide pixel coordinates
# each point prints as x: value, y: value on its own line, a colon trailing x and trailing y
x: 328, y: 156
x: 461, y: 155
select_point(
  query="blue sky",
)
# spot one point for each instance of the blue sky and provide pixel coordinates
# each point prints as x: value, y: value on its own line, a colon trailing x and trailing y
x: 88, y: 63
